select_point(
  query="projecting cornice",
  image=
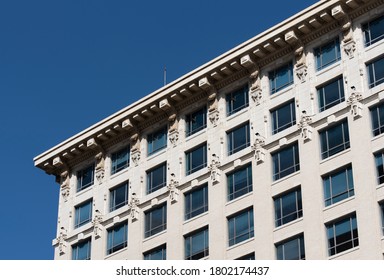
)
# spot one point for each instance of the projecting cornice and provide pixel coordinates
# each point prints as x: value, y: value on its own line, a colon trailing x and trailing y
x: 246, y: 60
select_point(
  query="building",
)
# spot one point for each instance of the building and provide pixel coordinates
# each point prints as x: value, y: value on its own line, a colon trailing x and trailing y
x: 273, y: 150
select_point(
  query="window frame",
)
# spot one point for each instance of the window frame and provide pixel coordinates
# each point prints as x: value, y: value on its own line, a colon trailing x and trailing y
x: 117, y: 166
x: 150, y: 227
x: 366, y: 29
x: 381, y: 205
x: 153, y: 139
x: 80, y: 177
x: 274, y: 85
x: 280, y: 208
x: 234, y: 226
x: 79, y: 222
x: 112, y: 196
x: 281, y: 248
x: 373, y: 78
x: 328, y: 188
x: 377, y: 118
x: 276, y: 159
x: 232, y: 190
x: 111, y: 237
x: 191, y: 211
x: 149, y: 173
x: 148, y: 255
x: 318, y: 52
x: 379, y: 164
x: 189, y: 119
x: 325, y: 90
x: 189, y: 169
x: 326, y: 150
x: 188, y: 243
x: 77, y: 247
x: 232, y: 133
x: 276, y: 128
x: 230, y: 99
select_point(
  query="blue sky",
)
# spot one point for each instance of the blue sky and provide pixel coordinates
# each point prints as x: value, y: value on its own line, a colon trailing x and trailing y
x: 67, y: 64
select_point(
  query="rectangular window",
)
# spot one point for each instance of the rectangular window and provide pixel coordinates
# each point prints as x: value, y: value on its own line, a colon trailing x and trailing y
x: 83, y: 213
x: 155, y: 221
x: 156, y: 178
x: 373, y: 31
x: 240, y: 227
x: 117, y: 238
x: 288, y: 207
x: 379, y: 160
x: 237, y: 100
x: 376, y: 72
x: 327, y: 54
x: 196, y: 121
x: 283, y: 117
x: 248, y: 257
x: 120, y: 160
x: 82, y: 250
x: 157, y: 140
x: 342, y: 235
x: 239, y: 182
x: 331, y: 94
x: 382, y: 216
x: 196, y: 245
x: 196, y: 202
x: 285, y: 161
x: 338, y: 186
x: 238, y: 139
x: 291, y: 249
x: 118, y: 197
x: 281, y: 77
x: 85, y: 177
x: 334, y: 139
x: 196, y: 159
x: 159, y: 253
x: 377, y: 116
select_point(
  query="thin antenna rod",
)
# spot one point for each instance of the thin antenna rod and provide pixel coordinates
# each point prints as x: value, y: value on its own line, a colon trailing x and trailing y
x: 165, y: 75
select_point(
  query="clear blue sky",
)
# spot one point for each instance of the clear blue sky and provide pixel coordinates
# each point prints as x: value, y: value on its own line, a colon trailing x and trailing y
x: 67, y: 64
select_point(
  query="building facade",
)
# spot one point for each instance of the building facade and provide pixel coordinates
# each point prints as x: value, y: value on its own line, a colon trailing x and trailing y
x: 273, y: 150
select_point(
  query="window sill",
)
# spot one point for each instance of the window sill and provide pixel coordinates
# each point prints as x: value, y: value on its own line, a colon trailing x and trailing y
x: 335, y: 156
x: 241, y: 243
x: 377, y: 137
x: 380, y: 186
x: 238, y: 198
x: 195, y: 217
x: 343, y: 253
x: 288, y: 224
x: 285, y: 178
x: 374, y: 45
x: 82, y: 192
x: 196, y: 134
x: 346, y: 200
x: 157, y: 153
x: 329, y: 67
x: 234, y: 115
x: 282, y: 91
x: 119, y: 173
x: 116, y: 253
x: 154, y: 236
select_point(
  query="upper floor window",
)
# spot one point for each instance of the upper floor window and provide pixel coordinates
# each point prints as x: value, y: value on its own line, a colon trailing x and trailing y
x: 377, y: 116
x: 327, y: 54
x: 375, y: 72
x: 157, y: 140
x: 196, y: 245
x: 120, y: 160
x: 248, y: 257
x: 196, y: 121
x: 342, y: 235
x: 155, y: 220
x: 382, y: 216
x: 196, y: 159
x: 331, y: 94
x: 238, y: 139
x: 237, y: 100
x: 82, y: 250
x: 379, y: 160
x: 118, y: 197
x: 288, y: 207
x: 85, y: 177
x: 281, y: 77
x: 338, y: 186
x: 240, y: 227
x: 291, y: 249
x: 283, y: 117
x: 83, y: 213
x: 239, y: 182
x: 156, y: 178
x: 196, y: 202
x: 285, y: 161
x: 373, y: 31
x: 117, y: 238
x: 334, y: 139
x: 159, y: 253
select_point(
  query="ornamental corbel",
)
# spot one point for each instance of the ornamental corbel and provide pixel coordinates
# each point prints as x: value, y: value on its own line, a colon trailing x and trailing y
x: 64, y: 185
x: 258, y: 148
x: 254, y: 77
x: 173, y: 129
x: 133, y: 207
x: 172, y: 189
x: 301, y: 68
x: 97, y: 227
x: 304, y: 125
x: 356, y: 106
x: 213, y: 102
x: 99, y: 157
x: 349, y: 44
x: 214, y: 169
x: 135, y: 148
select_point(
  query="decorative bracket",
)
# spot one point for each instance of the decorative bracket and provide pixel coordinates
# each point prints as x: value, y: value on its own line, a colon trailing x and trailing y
x: 64, y: 185
x: 135, y: 150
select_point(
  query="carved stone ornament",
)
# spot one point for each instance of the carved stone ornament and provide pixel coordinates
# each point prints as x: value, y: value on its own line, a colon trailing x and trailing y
x: 64, y: 185
x: 135, y: 142
x: 174, y: 137
x: 349, y: 43
x: 133, y: 207
x: 258, y: 148
x: 356, y: 106
x: 306, y: 129
x: 172, y: 188
x: 173, y: 122
x: 256, y: 96
x: 100, y: 165
x: 214, y: 117
x: 61, y: 241
x: 136, y: 155
x: 214, y: 169
x: 301, y: 72
x: 97, y: 227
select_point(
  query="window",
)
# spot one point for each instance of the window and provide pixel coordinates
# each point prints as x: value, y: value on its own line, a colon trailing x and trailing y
x: 120, y: 160
x: 338, y: 186
x: 196, y: 245
x: 237, y: 100
x: 373, y: 31
x: 155, y: 221
x: 239, y: 182
x: 377, y: 115
x: 117, y: 238
x: 118, y: 197
x: 248, y: 257
x: 196, y: 159
x: 240, y: 227
x: 157, y: 141
x: 331, y: 94
x: 288, y: 207
x: 327, y: 54
x: 85, y: 177
x: 281, y: 78
x: 238, y: 139
x: 342, y: 235
x: 379, y: 159
x: 159, y: 253
x: 292, y: 249
x: 82, y: 250
x: 376, y: 72
x: 156, y: 178
x: 196, y: 202
x: 334, y: 139
x: 83, y: 213
x: 283, y: 117
x: 382, y: 216
x: 285, y: 162
x: 196, y: 121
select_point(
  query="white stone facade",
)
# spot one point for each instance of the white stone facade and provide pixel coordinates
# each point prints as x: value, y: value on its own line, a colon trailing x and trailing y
x: 248, y: 64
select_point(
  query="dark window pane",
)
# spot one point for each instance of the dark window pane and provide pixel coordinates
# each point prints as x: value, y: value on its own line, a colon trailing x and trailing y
x: 156, y: 178
x: 157, y: 141
x: 373, y: 31
x: 239, y: 182
x: 196, y: 121
x: 120, y: 160
x: 327, y: 54
x: 283, y: 117
x: 331, y: 94
x: 196, y: 159
x: 237, y: 100
x: 281, y: 78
